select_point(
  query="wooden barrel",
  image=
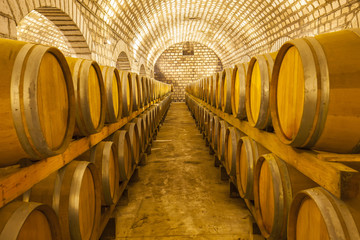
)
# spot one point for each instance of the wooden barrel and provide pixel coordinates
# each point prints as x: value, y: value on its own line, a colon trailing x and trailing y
x: 144, y: 88
x: 89, y: 96
x: 37, y: 102
x: 126, y: 93
x: 316, y: 214
x: 135, y: 88
x: 238, y: 89
x: 145, y: 119
x: 315, y: 92
x: 222, y: 127
x: 232, y: 137
x: 225, y: 90
x: 29, y: 221
x: 257, y: 95
x: 142, y: 135
x: 113, y: 94
x: 134, y: 141
x: 206, y: 122
x: 121, y: 140
x: 151, y: 88
x: 247, y: 154
x: 211, y: 90
x: 215, y: 133
x: 140, y: 91
x: 104, y: 156
x: 217, y: 81
x: 209, y: 127
x: 275, y: 184
x: 206, y: 89
x: 74, y: 194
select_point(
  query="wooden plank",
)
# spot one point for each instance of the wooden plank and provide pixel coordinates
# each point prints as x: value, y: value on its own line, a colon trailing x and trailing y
x: 17, y: 181
x: 337, y: 178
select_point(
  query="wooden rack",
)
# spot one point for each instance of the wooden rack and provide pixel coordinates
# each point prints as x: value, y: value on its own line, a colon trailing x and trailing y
x: 329, y: 170
x: 15, y: 180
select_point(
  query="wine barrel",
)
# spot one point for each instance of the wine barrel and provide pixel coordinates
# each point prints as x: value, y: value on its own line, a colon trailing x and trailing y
x: 74, y: 194
x: 113, y: 93
x: 215, y: 132
x: 247, y: 154
x: 142, y: 135
x: 223, y: 126
x: 232, y: 137
x: 275, y: 184
x: 206, y: 89
x: 238, y: 89
x: 316, y: 214
x: 217, y: 81
x: 145, y: 120
x: 209, y: 127
x: 126, y: 93
x: 212, y: 90
x: 141, y: 91
x: 89, y: 96
x: 151, y: 85
x: 121, y: 140
x: 134, y: 141
x: 225, y: 90
x: 37, y: 102
x: 144, y: 90
x: 315, y: 92
x: 257, y: 95
x: 206, y: 122
x: 151, y: 122
x: 29, y: 221
x: 105, y: 157
x: 135, y: 88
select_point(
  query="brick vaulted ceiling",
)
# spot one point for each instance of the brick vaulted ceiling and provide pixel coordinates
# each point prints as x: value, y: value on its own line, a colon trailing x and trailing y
x: 232, y: 28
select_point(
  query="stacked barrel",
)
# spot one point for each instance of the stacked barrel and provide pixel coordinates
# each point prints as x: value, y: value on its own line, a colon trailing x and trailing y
x: 308, y: 93
x: 47, y: 101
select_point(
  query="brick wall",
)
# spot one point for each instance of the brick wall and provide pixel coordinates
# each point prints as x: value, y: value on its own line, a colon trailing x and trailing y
x: 175, y: 68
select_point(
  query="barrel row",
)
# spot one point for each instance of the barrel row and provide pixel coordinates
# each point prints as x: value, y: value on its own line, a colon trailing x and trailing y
x: 306, y: 92
x: 287, y: 204
x: 67, y: 204
x: 47, y: 99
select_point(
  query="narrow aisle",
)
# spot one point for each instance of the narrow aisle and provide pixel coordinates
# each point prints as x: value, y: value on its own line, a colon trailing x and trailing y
x: 180, y: 194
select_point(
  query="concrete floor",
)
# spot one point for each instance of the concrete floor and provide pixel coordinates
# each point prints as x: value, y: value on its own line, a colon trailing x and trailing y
x: 180, y: 194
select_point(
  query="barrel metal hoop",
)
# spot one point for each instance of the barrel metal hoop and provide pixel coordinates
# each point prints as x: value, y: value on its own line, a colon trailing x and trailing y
x: 16, y: 221
x: 17, y: 72
x: 324, y: 82
x: 105, y: 173
x: 279, y: 196
x: 263, y: 117
x: 310, y: 92
x: 241, y: 111
x: 74, y: 200
x: 30, y: 92
x: 326, y: 208
x: 249, y: 192
x: 107, y: 77
x: 84, y: 96
x: 78, y: 99
x: 57, y: 189
x: 121, y: 153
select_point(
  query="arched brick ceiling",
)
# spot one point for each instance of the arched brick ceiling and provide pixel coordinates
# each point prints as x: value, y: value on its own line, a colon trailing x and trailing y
x: 232, y: 28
